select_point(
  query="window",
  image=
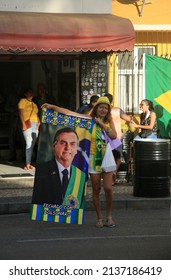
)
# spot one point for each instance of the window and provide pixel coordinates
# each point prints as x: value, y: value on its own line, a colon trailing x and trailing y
x: 130, y: 71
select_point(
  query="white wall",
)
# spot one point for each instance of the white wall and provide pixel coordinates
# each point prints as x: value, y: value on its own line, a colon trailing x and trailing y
x: 58, y: 6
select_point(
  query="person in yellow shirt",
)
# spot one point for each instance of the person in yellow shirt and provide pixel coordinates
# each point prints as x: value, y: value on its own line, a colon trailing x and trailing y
x: 28, y: 112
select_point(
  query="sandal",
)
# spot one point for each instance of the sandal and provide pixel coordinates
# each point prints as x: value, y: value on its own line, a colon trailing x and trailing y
x: 109, y: 222
x: 99, y: 223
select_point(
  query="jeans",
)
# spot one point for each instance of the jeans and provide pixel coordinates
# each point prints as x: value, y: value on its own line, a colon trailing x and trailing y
x: 152, y: 135
x: 30, y: 136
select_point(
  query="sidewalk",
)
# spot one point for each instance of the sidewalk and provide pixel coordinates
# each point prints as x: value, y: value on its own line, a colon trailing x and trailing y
x: 16, y: 187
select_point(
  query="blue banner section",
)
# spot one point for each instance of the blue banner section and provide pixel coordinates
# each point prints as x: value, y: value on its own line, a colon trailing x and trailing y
x: 59, y: 119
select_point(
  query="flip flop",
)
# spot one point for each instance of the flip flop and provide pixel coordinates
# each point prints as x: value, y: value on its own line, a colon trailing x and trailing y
x: 109, y: 223
x: 99, y: 223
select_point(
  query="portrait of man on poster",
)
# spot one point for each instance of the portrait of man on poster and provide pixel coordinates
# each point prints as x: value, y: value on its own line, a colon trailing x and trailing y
x: 58, y: 181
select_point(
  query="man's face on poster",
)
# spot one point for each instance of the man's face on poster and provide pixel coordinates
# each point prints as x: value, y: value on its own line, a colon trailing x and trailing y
x: 65, y: 148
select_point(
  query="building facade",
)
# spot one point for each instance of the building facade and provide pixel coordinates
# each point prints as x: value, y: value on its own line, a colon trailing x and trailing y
x: 65, y: 44
x: 152, y: 24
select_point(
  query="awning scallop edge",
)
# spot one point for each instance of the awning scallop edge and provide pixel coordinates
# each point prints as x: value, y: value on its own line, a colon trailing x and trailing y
x: 65, y: 32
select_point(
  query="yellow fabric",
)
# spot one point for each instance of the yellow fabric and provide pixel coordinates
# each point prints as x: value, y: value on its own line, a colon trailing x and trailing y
x: 74, y: 192
x: 93, y: 140
x: 26, y: 105
x: 165, y: 100
x: 102, y: 100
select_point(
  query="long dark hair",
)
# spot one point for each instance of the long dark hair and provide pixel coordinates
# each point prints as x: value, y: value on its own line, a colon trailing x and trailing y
x: 149, y: 103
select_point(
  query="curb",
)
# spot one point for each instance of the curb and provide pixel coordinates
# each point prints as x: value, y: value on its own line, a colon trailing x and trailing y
x: 132, y: 203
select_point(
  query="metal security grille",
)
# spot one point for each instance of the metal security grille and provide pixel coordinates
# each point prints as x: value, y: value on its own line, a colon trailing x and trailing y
x: 130, y: 78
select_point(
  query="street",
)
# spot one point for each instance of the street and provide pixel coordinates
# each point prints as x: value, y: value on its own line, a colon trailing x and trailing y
x: 139, y: 234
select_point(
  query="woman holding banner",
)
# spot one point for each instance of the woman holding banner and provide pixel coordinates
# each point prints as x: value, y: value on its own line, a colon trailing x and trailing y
x: 102, y: 125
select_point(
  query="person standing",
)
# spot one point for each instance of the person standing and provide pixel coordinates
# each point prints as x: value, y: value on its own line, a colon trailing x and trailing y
x: 148, y: 123
x: 101, y: 113
x: 101, y: 116
x: 85, y: 109
x: 28, y: 112
x: 43, y: 97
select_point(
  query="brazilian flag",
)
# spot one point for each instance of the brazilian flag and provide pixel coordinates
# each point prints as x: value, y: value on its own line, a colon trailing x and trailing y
x: 158, y: 90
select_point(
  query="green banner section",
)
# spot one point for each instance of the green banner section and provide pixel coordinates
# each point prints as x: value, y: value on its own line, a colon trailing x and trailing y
x: 158, y: 90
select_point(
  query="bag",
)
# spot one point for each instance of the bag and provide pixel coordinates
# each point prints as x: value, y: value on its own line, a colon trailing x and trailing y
x: 108, y: 162
x: 28, y: 124
x: 114, y: 143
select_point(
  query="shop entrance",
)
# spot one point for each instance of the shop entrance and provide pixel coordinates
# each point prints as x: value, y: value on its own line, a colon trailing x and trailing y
x: 67, y: 90
x: 14, y: 75
x: 59, y: 77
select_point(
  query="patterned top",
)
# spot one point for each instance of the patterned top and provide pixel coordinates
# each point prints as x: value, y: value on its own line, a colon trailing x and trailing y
x: 145, y: 119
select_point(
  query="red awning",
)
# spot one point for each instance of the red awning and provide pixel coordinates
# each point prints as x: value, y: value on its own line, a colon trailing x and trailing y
x: 65, y: 32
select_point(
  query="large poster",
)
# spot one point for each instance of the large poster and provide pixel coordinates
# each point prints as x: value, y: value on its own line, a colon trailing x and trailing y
x: 64, y: 143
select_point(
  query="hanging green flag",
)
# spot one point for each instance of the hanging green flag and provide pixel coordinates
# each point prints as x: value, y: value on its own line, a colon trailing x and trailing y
x: 158, y: 90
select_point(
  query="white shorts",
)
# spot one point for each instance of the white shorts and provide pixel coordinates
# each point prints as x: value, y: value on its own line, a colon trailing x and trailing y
x: 90, y: 169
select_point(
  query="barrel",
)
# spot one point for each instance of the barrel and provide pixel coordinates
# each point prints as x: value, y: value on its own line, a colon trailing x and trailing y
x: 122, y: 173
x: 126, y: 139
x: 151, y: 167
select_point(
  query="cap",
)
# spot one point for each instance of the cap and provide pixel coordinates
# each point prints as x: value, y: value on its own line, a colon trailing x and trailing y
x: 102, y: 100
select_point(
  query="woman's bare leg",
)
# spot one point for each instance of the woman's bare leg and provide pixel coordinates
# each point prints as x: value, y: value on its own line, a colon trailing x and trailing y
x: 96, y: 185
x: 107, y: 182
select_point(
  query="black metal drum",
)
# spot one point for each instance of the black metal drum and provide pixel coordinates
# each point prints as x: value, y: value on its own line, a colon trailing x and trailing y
x: 122, y: 173
x: 151, y: 167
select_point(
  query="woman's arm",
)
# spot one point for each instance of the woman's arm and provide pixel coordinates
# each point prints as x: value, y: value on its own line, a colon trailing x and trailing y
x: 63, y: 110
x: 110, y: 130
x: 124, y: 116
x: 21, y: 115
x: 150, y: 126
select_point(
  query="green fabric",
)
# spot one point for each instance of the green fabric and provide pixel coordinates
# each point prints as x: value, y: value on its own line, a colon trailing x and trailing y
x: 158, y: 90
x: 100, y: 149
x: 75, y: 190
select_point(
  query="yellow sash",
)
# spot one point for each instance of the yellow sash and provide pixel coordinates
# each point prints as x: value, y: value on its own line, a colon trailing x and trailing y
x: 75, y: 191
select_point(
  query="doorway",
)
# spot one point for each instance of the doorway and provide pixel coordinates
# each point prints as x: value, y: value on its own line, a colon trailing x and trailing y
x: 67, y: 90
